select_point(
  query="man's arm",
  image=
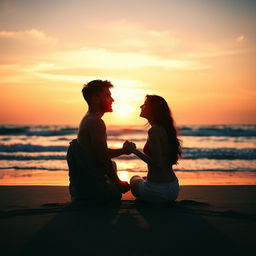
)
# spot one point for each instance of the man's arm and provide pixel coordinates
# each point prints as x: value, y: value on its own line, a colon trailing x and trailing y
x: 97, y: 133
x: 100, y: 150
x: 118, y: 152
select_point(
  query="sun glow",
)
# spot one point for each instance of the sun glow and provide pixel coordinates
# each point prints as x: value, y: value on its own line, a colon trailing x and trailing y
x: 123, y: 110
x: 123, y: 175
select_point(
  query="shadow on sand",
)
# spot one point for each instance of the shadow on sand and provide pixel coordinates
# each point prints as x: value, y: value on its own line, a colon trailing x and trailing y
x: 131, y: 228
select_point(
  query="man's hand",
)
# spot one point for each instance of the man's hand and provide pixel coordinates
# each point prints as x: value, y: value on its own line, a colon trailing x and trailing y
x: 129, y: 147
x: 124, y: 186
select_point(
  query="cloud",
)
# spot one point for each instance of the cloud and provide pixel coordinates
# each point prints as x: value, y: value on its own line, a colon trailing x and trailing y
x: 69, y: 101
x: 93, y: 63
x: 214, y: 53
x: 25, y: 46
x: 121, y: 35
x: 13, y: 74
x: 106, y: 59
x: 32, y: 34
x: 43, y: 72
x: 133, y: 38
x: 240, y: 38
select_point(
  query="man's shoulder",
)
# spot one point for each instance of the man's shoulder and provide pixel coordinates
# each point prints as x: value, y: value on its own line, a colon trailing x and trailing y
x: 96, y: 123
x: 92, y: 124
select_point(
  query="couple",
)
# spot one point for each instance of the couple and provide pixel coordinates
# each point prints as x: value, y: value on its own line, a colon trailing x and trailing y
x: 93, y: 176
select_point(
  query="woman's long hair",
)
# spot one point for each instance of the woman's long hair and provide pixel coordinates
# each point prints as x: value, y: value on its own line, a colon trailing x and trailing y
x: 161, y: 115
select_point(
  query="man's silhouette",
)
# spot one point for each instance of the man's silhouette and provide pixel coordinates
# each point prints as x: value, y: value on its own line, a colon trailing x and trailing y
x: 92, y: 174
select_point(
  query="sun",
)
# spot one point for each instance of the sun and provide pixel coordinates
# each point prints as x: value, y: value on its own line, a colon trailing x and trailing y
x: 122, y: 109
x: 123, y: 175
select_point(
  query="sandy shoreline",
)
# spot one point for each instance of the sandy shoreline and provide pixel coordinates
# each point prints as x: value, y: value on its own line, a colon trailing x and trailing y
x: 213, y: 220
x: 30, y: 177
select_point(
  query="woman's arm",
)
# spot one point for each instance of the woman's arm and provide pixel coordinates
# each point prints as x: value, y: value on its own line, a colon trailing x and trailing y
x: 143, y: 157
x: 131, y: 147
x: 156, y: 159
x: 155, y: 146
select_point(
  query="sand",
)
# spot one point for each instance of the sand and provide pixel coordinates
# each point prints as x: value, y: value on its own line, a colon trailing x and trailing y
x: 206, y: 220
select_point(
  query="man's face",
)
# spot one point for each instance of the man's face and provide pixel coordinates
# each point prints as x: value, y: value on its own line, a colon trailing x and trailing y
x: 105, y: 100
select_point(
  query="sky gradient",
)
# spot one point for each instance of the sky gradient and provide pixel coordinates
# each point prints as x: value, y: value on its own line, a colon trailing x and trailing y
x: 200, y: 55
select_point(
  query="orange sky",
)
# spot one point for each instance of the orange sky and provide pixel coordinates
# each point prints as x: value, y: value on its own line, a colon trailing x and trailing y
x: 199, y: 55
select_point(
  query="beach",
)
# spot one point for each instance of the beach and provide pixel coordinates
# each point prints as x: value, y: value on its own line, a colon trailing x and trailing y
x: 205, y: 220
x: 215, y: 212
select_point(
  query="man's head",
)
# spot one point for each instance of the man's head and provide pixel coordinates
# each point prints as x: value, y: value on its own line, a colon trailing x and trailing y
x: 96, y: 93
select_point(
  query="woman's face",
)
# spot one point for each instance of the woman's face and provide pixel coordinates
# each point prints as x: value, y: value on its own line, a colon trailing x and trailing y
x: 145, y: 111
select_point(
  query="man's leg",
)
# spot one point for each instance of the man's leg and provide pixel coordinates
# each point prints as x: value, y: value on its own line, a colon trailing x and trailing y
x: 113, y: 193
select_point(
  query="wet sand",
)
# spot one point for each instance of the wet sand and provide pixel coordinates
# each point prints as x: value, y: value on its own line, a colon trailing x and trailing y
x: 205, y: 220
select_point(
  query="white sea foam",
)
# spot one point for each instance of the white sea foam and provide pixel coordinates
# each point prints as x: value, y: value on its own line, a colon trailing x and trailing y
x: 217, y: 148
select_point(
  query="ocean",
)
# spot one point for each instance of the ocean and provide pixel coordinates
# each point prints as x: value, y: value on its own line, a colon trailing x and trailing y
x: 217, y: 154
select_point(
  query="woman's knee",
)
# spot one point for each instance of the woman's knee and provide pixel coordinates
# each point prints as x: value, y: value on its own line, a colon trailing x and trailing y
x: 134, y: 183
x: 135, y: 179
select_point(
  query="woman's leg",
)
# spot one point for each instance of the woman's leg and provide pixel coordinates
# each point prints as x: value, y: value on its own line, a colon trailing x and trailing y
x: 134, y: 183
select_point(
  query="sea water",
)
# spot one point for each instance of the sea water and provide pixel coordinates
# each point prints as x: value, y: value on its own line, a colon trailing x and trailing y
x: 33, y: 154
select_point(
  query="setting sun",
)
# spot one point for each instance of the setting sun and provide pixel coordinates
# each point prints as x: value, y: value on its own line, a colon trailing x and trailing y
x: 123, y: 175
x: 123, y: 110
x: 193, y: 63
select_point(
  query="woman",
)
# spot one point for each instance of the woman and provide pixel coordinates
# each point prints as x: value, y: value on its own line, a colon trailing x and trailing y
x: 161, y: 151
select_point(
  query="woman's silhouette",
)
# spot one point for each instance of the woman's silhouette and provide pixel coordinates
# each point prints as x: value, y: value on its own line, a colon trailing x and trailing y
x: 161, y: 151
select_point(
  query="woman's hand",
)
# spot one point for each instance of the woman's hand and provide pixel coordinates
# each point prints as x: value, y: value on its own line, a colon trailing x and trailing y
x: 129, y: 147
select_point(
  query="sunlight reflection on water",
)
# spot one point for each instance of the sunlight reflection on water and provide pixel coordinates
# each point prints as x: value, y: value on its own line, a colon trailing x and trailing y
x: 123, y: 175
x: 60, y: 178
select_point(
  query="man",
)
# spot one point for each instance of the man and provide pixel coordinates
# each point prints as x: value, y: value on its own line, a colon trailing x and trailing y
x: 92, y: 174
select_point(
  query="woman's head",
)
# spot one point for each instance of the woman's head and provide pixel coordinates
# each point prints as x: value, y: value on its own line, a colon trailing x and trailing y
x: 156, y: 110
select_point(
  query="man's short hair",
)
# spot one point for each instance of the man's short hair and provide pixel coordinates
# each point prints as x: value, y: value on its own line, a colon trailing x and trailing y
x: 94, y: 87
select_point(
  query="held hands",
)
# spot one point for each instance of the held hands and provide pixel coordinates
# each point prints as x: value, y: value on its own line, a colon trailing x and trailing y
x: 129, y: 147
